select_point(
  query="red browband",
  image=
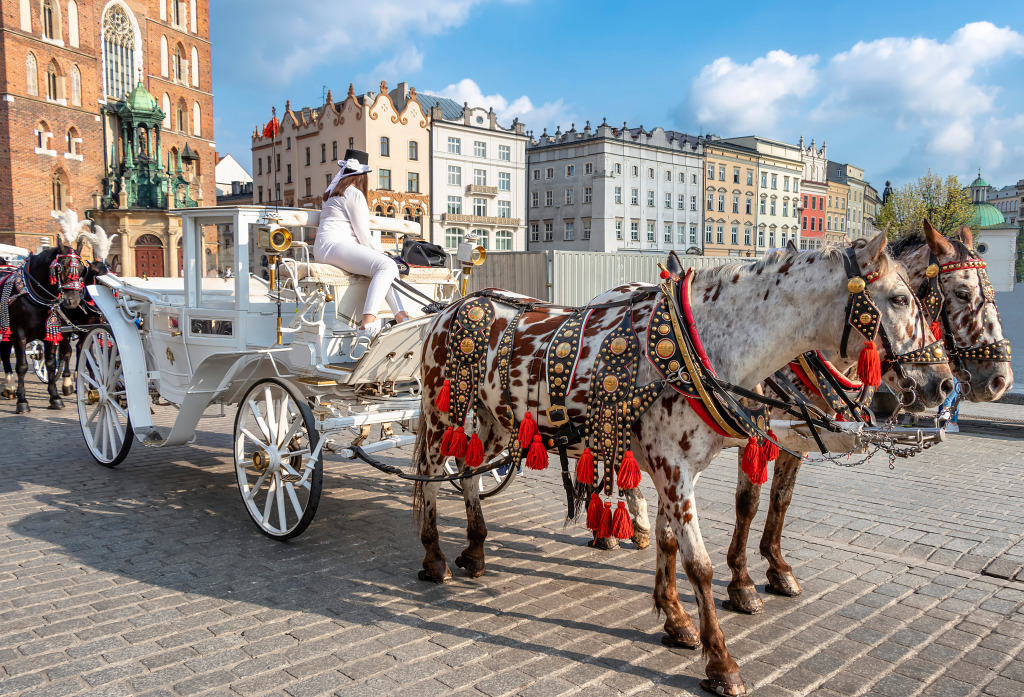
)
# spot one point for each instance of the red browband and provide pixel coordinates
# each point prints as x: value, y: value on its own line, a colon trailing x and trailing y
x: 873, y: 276
x: 960, y: 265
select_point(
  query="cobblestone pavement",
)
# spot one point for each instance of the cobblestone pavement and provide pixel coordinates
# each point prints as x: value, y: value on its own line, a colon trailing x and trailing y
x: 150, y: 580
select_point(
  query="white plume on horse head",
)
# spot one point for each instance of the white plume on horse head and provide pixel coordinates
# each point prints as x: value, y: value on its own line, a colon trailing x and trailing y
x: 69, y: 226
x: 99, y: 239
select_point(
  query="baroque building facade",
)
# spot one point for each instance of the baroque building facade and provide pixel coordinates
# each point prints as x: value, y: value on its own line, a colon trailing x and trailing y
x: 814, y: 189
x: 478, y: 176
x: 776, y: 209
x: 730, y: 176
x: 295, y: 166
x: 837, y: 206
x: 611, y: 189
x: 72, y: 136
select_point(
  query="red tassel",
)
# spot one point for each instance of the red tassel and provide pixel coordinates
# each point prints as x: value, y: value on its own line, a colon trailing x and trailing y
x: 446, y: 441
x: 622, y: 526
x: 771, y: 451
x: 527, y: 430
x: 629, y: 472
x: 585, y: 467
x: 594, y: 512
x: 869, y: 365
x: 444, y: 397
x: 754, y: 465
x: 606, y: 520
x: 5, y: 334
x: 475, y: 452
x: 537, y: 459
x: 52, y: 329
x: 937, y: 331
x: 458, y: 446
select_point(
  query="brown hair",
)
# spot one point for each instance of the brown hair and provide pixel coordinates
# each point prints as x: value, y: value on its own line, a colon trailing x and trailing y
x: 360, y: 181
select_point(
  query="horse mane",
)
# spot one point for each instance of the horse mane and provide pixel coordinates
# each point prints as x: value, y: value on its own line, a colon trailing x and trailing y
x: 916, y: 240
x: 780, y: 257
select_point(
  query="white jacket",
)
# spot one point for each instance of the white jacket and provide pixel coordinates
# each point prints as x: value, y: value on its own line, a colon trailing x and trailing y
x: 344, y: 219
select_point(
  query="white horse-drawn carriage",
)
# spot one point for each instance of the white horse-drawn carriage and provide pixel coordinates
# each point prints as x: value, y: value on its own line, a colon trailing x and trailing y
x: 282, y: 348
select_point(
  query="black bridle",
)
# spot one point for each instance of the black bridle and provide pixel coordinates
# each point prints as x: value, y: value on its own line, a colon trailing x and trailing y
x: 932, y: 297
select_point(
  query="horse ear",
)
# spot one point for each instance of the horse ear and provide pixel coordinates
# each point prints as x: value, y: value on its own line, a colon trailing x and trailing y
x: 966, y: 236
x: 939, y: 245
x: 674, y: 266
x: 791, y: 246
x: 81, y: 243
x: 875, y: 248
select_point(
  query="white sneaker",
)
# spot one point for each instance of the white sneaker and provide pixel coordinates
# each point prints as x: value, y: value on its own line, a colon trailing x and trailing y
x: 368, y: 332
x: 951, y: 427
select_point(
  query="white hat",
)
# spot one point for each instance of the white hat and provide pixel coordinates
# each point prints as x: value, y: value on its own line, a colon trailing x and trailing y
x: 349, y: 167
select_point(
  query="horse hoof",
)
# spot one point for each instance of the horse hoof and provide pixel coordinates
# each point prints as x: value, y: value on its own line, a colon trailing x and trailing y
x: 56, y: 404
x: 22, y: 408
x: 604, y: 543
x: 783, y: 584
x: 728, y: 684
x: 67, y: 391
x: 744, y: 599
x: 681, y: 642
x: 472, y: 567
x: 641, y: 538
x: 426, y: 575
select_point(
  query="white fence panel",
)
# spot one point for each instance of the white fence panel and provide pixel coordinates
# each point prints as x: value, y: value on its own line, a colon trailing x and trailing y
x: 519, y: 272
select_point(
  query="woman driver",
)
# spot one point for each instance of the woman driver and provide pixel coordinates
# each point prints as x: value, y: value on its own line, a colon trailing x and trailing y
x: 343, y: 239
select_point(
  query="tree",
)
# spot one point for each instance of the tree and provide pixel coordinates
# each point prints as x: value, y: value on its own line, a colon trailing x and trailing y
x: 943, y: 201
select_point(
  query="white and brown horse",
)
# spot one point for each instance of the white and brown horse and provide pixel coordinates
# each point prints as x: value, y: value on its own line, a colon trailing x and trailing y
x: 752, y: 320
x: 970, y: 328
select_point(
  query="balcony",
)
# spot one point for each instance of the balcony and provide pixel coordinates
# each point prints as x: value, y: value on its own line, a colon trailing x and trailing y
x: 479, y: 219
x: 480, y: 189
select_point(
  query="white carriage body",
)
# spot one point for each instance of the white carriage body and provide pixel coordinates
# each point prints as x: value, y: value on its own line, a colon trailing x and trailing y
x: 199, y: 340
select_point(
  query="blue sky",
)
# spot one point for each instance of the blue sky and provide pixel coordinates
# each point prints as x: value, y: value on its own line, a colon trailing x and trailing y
x: 893, y: 87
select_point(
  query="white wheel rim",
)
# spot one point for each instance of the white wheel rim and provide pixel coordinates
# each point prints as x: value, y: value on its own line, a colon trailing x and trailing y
x: 486, y: 482
x: 278, y: 493
x: 36, y: 352
x: 105, y: 421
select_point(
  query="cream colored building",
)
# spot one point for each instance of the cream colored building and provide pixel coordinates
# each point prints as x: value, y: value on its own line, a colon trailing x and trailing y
x: 296, y: 167
x: 779, y: 168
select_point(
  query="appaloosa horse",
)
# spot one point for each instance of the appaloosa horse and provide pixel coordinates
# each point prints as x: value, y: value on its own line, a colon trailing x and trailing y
x: 950, y: 279
x: 751, y: 320
x: 29, y: 302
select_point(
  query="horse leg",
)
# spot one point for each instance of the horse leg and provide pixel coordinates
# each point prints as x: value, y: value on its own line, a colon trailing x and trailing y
x: 742, y: 593
x: 431, y: 463
x: 637, y: 505
x: 67, y: 387
x: 472, y: 557
x: 21, y: 367
x: 50, y: 357
x: 679, y: 629
x: 780, y: 574
x: 5, y: 357
x: 723, y: 675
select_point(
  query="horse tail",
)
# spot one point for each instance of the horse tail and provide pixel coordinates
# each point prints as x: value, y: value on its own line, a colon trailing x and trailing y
x: 419, y: 459
x: 580, y: 495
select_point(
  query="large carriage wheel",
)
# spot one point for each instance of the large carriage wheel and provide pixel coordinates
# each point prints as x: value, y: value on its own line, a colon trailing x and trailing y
x: 278, y: 477
x: 100, y: 394
x: 489, y: 483
x: 35, y: 352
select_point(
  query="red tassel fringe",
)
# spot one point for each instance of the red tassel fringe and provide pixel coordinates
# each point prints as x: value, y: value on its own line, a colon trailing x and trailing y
x: 537, y: 458
x: 446, y: 441
x: 869, y: 365
x: 606, y: 520
x: 444, y: 397
x: 771, y: 451
x: 458, y: 445
x: 622, y: 526
x: 5, y: 335
x: 585, y: 467
x: 594, y: 513
x: 937, y: 331
x: 475, y: 452
x: 754, y: 465
x: 629, y: 472
x: 527, y: 430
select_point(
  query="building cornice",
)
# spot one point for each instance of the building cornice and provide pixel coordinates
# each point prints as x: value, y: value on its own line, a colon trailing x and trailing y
x: 48, y: 44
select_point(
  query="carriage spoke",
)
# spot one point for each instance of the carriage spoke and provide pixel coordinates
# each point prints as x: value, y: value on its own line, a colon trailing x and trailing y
x: 92, y: 417
x: 88, y: 378
x: 117, y: 407
x: 268, y: 402
x: 283, y: 419
x: 255, y: 489
x: 118, y: 428
x: 296, y: 425
x: 269, y: 503
x: 296, y: 506
x: 259, y: 419
x: 90, y: 359
x: 281, y: 514
x: 245, y: 432
x: 111, y: 440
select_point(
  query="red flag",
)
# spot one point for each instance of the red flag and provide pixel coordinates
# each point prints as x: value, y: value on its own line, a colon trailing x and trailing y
x: 272, y: 128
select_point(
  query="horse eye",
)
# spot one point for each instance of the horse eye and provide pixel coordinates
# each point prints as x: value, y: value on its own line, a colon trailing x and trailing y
x: 901, y: 300
x: 963, y: 295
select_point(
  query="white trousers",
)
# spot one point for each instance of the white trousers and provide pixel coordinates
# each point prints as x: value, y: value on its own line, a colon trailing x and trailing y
x: 363, y: 261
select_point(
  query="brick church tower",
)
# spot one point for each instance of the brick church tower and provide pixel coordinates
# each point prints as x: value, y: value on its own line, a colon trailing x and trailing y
x: 106, y: 106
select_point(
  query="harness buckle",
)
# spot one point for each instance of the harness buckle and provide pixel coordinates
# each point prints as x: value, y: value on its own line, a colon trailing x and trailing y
x: 557, y: 415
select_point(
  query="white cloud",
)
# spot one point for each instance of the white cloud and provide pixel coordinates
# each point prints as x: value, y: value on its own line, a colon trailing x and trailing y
x: 744, y: 98
x: 536, y: 118
x: 400, y: 65
x: 329, y: 33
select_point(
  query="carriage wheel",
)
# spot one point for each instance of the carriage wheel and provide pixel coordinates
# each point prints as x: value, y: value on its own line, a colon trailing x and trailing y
x: 35, y: 351
x: 489, y: 483
x: 102, y: 405
x: 278, y: 477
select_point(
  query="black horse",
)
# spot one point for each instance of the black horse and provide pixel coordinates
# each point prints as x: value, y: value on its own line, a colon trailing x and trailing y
x: 78, y: 321
x: 47, y: 281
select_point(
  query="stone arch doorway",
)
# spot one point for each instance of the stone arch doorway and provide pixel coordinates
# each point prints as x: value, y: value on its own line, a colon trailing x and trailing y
x: 149, y: 256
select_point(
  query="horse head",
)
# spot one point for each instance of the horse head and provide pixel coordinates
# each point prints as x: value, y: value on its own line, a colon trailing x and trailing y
x: 65, y: 272
x: 958, y: 291
x: 885, y: 311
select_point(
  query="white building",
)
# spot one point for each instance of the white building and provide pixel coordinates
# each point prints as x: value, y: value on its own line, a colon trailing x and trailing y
x: 227, y: 172
x: 615, y: 189
x: 478, y: 176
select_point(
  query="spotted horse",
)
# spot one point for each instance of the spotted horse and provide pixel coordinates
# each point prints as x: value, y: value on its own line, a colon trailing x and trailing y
x: 510, y: 398
x: 953, y: 286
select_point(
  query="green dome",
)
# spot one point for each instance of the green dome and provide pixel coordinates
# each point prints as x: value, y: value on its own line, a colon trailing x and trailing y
x: 979, y: 182
x: 987, y: 215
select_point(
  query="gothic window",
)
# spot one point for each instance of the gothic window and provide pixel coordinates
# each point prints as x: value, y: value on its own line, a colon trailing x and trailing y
x: 182, y: 122
x: 52, y: 80
x: 165, y: 105
x: 118, y: 52
x: 73, y: 23
x: 179, y: 64
x: 194, y: 65
x: 48, y: 23
x: 74, y: 143
x: 197, y: 128
x: 32, y: 75
x: 76, y: 86
x: 59, y: 192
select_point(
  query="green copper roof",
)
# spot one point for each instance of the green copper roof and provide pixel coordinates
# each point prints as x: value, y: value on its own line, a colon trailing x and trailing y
x: 139, y: 100
x: 987, y: 215
x: 979, y: 182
